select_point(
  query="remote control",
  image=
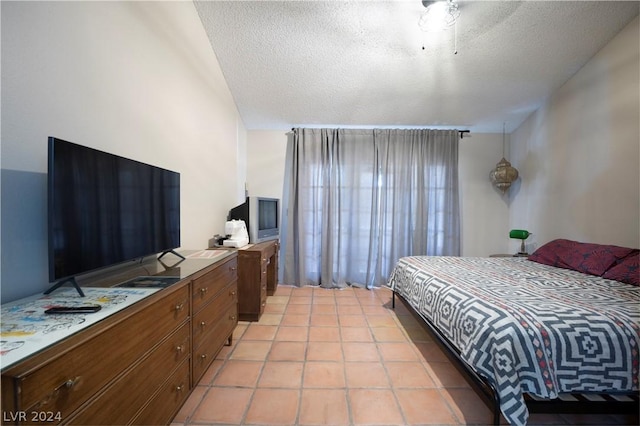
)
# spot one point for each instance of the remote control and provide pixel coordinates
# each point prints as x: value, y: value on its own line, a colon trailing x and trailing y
x: 84, y: 309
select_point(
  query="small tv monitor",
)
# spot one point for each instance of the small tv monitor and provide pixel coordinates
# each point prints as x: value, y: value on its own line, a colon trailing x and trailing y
x: 261, y: 215
x: 104, y: 209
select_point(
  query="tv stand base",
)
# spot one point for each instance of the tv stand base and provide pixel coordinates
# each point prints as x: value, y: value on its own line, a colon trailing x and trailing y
x: 172, y: 252
x: 60, y: 283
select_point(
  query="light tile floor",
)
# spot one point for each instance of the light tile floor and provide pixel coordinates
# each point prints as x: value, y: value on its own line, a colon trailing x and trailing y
x: 340, y: 357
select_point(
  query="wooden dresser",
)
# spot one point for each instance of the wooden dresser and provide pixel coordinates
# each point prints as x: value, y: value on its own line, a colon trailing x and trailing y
x: 136, y: 366
x: 215, y: 314
x: 257, y: 278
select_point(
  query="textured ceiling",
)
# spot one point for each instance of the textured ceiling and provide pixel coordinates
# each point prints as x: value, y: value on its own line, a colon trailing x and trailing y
x: 362, y: 63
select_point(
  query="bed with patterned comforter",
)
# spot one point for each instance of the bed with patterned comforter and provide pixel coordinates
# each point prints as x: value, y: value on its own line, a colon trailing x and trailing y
x: 528, y: 327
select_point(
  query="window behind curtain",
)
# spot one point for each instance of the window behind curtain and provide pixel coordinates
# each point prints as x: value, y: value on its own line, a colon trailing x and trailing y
x: 358, y: 200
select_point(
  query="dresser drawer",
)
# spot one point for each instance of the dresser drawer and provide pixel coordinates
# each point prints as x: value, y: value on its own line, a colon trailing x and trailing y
x: 211, y: 343
x: 166, y: 403
x: 70, y: 379
x: 207, y: 286
x: 205, y: 321
x: 122, y: 400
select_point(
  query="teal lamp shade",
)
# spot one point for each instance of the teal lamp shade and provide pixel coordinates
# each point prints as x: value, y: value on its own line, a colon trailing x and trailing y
x: 520, y: 234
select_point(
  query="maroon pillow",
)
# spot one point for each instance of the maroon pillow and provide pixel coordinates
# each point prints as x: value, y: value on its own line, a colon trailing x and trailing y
x: 626, y: 271
x: 589, y: 258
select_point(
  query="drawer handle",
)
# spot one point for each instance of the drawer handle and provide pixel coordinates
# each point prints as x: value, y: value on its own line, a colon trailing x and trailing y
x: 203, y: 324
x: 232, y: 317
x: 232, y: 293
x: 179, y: 388
x: 180, y: 349
x: 204, y: 290
x: 203, y: 356
x: 264, y: 303
x: 233, y: 268
x: 179, y: 307
x: 69, y: 383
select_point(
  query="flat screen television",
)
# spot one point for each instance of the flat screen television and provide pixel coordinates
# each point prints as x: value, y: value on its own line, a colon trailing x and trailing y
x: 104, y: 209
x: 261, y: 215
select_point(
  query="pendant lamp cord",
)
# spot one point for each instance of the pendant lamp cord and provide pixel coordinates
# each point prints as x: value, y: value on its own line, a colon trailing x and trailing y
x: 455, y: 37
x: 503, y: 140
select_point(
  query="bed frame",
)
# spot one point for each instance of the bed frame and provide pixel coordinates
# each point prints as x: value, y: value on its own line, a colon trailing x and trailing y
x: 625, y: 403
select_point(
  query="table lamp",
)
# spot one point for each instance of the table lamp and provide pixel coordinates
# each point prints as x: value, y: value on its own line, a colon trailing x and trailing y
x: 520, y: 234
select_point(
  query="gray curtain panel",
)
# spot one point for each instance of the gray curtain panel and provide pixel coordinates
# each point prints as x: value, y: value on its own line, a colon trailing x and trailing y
x: 355, y: 201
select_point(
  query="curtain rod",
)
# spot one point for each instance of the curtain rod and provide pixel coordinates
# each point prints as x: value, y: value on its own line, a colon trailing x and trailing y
x: 461, y: 132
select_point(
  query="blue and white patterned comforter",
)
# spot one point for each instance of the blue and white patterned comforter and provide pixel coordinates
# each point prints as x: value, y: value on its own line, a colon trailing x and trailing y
x: 528, y: 327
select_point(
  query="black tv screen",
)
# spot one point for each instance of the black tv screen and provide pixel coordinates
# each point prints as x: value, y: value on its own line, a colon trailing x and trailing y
x: 267, y: 214
x: 105, y: 209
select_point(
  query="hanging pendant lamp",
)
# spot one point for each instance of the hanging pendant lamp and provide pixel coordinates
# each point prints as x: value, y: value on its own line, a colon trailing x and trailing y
x: 504, y: 174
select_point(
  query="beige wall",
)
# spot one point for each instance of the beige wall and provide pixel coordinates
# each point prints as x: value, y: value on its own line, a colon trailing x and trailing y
x: 266, y: 154
x: 137, y: 79
x: 484, y: 211
x: 579, y: 155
